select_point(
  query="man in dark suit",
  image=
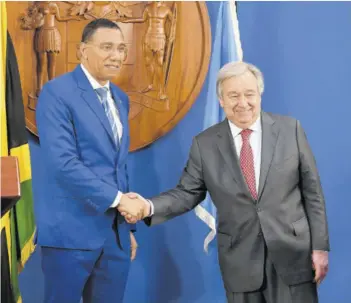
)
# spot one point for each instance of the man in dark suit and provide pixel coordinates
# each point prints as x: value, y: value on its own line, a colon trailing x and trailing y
x: 261, y: 174
x: 82, y: 121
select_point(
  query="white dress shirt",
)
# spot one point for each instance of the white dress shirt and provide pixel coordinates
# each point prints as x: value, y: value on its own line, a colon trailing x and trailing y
x: 255, y: 142
x: 115, y: 114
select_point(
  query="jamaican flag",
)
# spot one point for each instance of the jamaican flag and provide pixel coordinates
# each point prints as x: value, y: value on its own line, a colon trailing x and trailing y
x: 18, y: 225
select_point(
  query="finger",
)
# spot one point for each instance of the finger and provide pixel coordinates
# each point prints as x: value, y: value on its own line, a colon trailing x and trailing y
x: 132, y: 195
x: 133, y: 253
x: 134, y: 219
x: 123, y: 213
x: 122, y: 209
x: 317, y: 276
x: 323, y: 274
x: 131, y: 220
x: 140, y: 215
x: 144, y: 211
x: 135, y: 215
x: 127, y: 215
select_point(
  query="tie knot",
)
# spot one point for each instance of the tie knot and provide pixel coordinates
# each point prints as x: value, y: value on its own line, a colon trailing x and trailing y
x: 102, y: 93
x: 245, y: 134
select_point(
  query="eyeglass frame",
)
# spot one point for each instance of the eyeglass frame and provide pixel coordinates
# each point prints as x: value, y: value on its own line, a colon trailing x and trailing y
x: 109, y: 52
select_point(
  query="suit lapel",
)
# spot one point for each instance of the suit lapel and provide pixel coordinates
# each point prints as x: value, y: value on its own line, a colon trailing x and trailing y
x: 226, y: 146
x: 93, y: 102
x: 269, y: 141
x: 90, y: 97
x: 123, y: 115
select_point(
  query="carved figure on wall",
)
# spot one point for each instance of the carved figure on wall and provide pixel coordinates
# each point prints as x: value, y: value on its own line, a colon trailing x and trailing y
x: 47, y: 40
x: 80, y: 8
x: 113, y: 10
x: 157, y: 44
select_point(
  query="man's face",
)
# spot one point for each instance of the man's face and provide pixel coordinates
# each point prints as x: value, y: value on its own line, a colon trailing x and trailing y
x: 104, y: 53
x: 241, y: 100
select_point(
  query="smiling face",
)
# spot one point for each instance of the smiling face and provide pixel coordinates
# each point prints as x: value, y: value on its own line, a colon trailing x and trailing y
x: 103, y: 54
x: 241, y: 100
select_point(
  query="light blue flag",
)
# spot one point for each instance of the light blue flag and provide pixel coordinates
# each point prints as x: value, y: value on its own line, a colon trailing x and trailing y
x: 226, y: 48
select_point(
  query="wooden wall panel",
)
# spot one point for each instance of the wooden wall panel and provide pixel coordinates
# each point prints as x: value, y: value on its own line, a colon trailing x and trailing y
x: 152, y: 114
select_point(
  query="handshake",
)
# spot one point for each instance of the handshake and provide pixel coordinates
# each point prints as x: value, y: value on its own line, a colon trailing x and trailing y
x: 134, y: 207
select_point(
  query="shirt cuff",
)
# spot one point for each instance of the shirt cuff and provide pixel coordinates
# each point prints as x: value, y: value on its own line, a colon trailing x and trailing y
x: 117, y: 200
x: 151, y: 208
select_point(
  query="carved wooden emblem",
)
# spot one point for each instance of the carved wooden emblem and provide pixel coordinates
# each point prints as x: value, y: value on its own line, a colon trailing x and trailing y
x: 169, y: 47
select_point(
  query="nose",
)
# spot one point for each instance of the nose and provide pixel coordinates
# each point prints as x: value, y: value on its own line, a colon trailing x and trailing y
x: 115, y: 55
x: 242, y: 101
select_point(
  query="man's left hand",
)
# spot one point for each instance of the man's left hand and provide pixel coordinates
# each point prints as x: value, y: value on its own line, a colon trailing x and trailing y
x: 320, y: 265
x: 133, y: 246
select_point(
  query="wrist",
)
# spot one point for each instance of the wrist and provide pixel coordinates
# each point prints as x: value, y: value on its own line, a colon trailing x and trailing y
x: 147, y: 209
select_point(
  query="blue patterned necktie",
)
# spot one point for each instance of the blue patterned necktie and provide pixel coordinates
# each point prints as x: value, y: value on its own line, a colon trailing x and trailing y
x: 102, y: 92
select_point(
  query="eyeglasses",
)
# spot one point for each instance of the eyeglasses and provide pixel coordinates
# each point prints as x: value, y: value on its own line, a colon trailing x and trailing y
x: 110, y: 48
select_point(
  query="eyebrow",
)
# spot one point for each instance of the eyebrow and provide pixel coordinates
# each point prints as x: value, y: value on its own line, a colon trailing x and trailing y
x: 111, y: 43
x: 123, y: 44
x: 235, y: 92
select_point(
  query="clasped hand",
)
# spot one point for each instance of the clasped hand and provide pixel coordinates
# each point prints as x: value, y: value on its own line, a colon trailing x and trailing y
x: 133, y: 207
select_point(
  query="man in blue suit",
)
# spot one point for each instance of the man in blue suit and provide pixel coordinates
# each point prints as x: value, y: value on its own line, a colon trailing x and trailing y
x: 82, y: 120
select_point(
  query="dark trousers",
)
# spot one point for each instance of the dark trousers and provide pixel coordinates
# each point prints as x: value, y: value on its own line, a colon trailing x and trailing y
x: 274, y: 290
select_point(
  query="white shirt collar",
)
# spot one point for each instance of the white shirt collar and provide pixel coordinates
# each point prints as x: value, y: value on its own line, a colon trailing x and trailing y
x: 256, y: 127
x: 93, y: 81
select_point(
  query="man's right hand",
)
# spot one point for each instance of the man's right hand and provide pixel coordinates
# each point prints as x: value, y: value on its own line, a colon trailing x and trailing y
x: 133, y: 207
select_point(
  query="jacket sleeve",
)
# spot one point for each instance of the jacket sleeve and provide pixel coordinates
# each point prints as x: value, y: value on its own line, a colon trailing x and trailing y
x: 190, y: 191
x: 312, y: 193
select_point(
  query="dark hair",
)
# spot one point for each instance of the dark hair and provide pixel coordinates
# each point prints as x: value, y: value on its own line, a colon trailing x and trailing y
x: 94, y: 25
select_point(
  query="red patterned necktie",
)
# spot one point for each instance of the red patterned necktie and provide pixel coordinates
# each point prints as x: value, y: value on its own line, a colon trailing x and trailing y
x: 247, y: 162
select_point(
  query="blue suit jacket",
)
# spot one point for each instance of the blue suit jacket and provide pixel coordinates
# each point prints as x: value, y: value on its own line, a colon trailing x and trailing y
x: 84, y: 169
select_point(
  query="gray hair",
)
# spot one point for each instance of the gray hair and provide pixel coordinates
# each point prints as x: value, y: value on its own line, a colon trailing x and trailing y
x: 234, y: 69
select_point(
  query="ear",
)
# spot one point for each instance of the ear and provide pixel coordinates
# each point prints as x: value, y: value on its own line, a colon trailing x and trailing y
x: 221, y: 102
x: 83, y: 50
x: 125, y: 56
